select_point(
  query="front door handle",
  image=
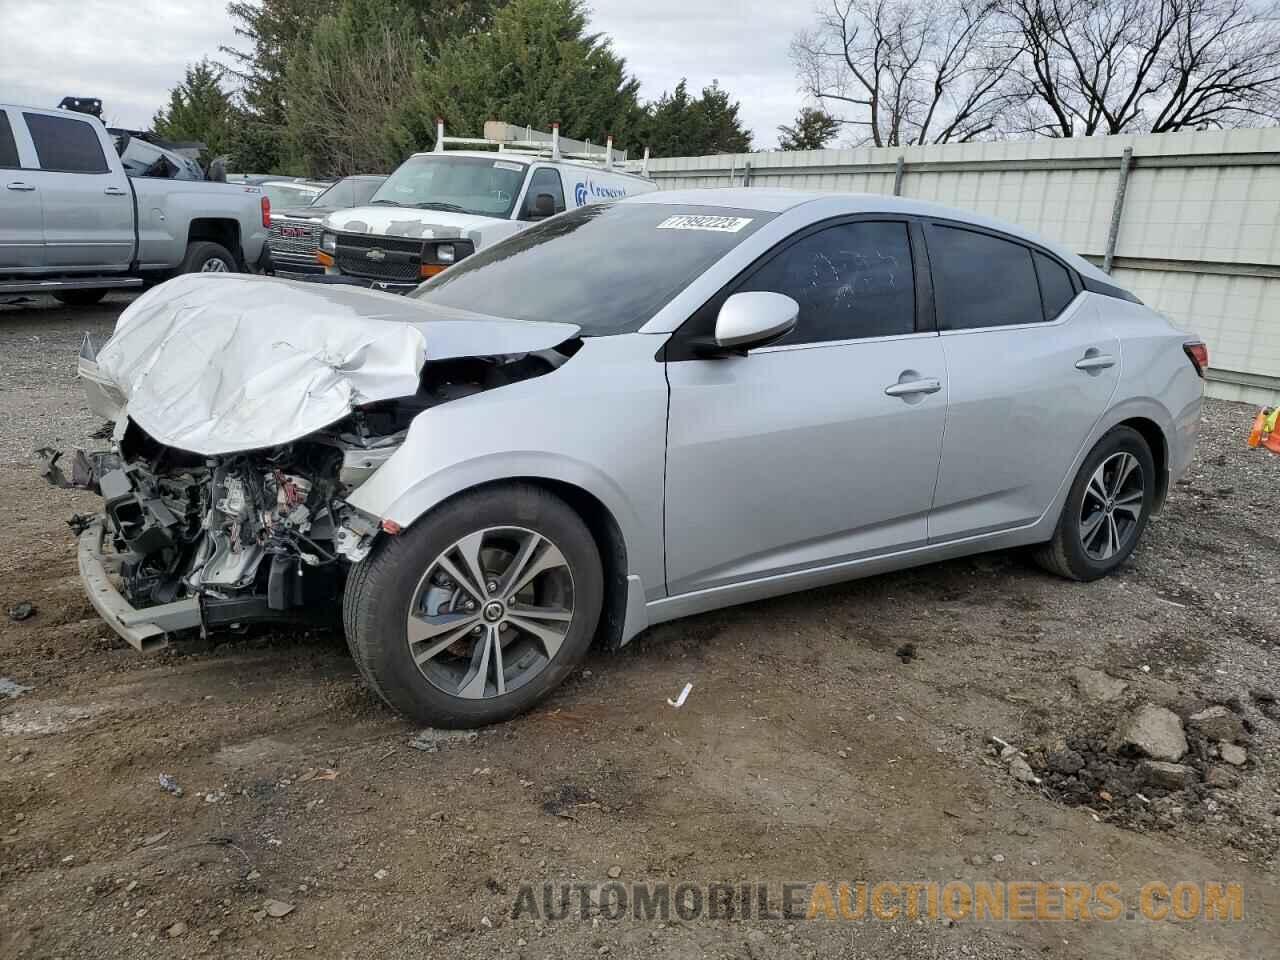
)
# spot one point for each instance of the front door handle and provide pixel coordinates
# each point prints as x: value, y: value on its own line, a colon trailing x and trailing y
x: 115, y: 192
x: 1093, y: 361
x: 911, y: 388
x: 20, y: 186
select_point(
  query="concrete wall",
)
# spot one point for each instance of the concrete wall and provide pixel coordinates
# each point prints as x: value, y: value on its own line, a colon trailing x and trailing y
x: 1198, y: 234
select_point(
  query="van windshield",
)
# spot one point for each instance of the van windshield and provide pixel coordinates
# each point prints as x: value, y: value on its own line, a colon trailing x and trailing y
x: 477, y: 185
x: 606, y: 267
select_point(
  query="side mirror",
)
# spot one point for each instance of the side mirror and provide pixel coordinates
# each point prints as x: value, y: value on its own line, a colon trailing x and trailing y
x: 544, y: 205
x: 750, y: 320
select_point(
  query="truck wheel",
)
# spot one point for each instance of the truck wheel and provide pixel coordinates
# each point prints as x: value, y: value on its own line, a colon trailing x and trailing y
x: 204, y: 256
x: 79, y: 298
x: 477, y: 611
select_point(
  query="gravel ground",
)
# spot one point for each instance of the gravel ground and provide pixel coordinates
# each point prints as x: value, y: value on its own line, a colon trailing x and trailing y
x: 840, y: 734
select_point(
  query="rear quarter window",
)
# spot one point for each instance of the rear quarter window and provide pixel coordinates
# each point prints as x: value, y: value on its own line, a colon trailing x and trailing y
x: 8, y: 149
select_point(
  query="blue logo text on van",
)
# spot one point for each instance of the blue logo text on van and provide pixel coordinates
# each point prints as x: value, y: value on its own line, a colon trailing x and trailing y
x: 586, y: 190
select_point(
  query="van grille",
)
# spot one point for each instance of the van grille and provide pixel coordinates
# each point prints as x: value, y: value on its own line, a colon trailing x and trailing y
x: 379, y: 258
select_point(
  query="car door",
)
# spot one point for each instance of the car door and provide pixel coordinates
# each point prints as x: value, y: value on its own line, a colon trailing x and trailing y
x: 87, y: 205
x: 21, y: 219
x: 1030, y: 367
x: 823, y: 447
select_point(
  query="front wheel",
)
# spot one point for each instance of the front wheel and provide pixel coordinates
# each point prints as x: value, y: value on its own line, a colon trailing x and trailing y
x: 478, y: 610
x: 1106, y: 509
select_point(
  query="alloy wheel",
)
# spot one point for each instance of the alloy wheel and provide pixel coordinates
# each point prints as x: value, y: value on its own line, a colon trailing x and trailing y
x: 214, y: 265
x: 1112, y: 506
x: 491, y: 612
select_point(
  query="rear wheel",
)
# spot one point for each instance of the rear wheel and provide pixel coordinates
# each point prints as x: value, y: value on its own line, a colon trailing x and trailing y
x: 205, y: 256
x: 479, y: 610
x: 1106, y: 509
x: 80, y: 298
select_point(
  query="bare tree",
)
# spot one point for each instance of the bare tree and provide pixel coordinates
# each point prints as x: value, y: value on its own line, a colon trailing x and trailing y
x: 1109, y: 66
x: 905, y: 73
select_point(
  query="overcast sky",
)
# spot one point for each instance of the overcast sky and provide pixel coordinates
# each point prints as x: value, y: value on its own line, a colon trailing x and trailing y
x: 130, y: 53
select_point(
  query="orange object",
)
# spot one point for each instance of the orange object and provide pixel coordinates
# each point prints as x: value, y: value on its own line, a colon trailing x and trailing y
x: 1255, y: 434
x: 1272, y: 441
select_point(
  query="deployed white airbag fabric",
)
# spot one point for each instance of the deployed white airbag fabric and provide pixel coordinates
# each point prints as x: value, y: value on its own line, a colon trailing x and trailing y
x: 219, y: 363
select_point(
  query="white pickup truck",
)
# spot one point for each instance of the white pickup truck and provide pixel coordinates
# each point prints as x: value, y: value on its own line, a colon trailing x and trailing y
x: 74, y: 224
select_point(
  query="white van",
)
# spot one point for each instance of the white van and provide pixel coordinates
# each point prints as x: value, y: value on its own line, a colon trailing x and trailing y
x: 440, y: 207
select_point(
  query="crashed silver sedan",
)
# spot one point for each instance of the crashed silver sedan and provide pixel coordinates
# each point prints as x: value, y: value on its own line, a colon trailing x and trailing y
x: 622, y: 415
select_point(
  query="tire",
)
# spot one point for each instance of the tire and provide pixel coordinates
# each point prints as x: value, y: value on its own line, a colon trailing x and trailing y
x: 203, y: 254
x: 406, y: 572
x: 1092, y: 539
x: 80, y: 298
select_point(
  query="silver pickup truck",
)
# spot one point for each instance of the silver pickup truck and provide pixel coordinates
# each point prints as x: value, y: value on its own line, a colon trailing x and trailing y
x: 74, y: 224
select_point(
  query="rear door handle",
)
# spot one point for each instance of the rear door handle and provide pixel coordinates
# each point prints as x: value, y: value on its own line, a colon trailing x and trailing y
x: 912, y: 388
x: 115, y: 192
x: 1095, y: 361
x: 20, y: 186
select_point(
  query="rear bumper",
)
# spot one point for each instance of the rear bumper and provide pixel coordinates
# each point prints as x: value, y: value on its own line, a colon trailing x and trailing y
x: 145, y: 629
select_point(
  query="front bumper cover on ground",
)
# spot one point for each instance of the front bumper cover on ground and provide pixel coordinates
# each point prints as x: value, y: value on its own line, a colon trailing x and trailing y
x: 145, y: 629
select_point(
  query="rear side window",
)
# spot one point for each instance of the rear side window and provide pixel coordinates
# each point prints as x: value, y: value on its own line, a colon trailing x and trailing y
x: 65, y: 145
x: 851, y: 281
x: 1055, y: 285
x: 8, y: 149
x: 982, y: 281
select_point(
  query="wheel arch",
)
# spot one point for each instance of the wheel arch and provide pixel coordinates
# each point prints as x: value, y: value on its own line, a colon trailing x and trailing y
x: 226, y: 233
x: 1159, y: 445
x: 605, y: 531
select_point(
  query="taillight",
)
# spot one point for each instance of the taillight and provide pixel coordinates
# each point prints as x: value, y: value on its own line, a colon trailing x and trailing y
x: 266, y: 212
x: 1198, y: 353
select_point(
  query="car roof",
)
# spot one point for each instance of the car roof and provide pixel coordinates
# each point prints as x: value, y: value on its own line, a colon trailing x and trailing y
x: 775, y: 200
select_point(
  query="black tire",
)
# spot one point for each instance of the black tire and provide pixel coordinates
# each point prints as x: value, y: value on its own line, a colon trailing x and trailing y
x: 1066, y: 554
x: 381, y: 588
x: 80, y: 298
x: 200, y: 253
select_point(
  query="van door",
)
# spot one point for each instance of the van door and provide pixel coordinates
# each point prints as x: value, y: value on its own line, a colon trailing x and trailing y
x: 21, y: 220
x: 87, y: 205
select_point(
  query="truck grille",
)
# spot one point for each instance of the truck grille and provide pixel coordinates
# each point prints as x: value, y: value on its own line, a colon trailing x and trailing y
x: 294, y: 236
x: 379, y: 258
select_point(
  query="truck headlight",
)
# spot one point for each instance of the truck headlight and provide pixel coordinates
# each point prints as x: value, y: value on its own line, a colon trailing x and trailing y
x: 329, y: 242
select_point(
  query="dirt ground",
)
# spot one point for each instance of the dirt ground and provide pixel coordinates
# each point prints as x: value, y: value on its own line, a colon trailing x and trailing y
x: 813, y: 747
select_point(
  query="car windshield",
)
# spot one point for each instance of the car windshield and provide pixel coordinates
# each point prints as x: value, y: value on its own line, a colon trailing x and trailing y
x: 476, y: 185
x: 289, y: 194
x: 351, y: 192
x: 607, y: 267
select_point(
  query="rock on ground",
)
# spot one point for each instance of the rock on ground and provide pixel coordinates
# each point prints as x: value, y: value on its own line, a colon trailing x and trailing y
x: 1152, y: 731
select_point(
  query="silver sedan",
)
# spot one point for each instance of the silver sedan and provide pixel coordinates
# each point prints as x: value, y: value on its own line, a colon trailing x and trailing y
x: 623, y: 415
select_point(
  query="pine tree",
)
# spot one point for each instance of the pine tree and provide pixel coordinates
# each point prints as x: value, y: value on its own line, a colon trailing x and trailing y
x: 813, y: 130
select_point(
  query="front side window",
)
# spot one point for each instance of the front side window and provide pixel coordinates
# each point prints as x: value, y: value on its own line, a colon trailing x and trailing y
x: 473, y: 185
x: 65, y: 145
x: 852, y: 280
x: 8, y: 149
x: 981, y: 281
x: 544, y: 180
x: 606, y: 267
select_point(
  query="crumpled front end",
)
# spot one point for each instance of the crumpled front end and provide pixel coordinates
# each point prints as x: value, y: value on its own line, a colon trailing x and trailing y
x: 225, y: 503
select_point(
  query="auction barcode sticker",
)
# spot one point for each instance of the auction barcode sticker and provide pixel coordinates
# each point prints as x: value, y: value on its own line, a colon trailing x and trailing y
x: 688, y: 222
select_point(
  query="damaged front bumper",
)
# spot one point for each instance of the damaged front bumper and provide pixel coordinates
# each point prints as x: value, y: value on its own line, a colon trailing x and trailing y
x: 144, y: 629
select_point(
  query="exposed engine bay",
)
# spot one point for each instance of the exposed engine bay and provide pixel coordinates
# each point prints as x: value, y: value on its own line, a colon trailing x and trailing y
x: 263, y: 534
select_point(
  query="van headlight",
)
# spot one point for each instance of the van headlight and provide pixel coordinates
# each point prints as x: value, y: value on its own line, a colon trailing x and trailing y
x: 444, y: 253
x: 329, y: 242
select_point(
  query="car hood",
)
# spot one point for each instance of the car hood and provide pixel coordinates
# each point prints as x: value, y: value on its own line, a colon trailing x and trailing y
x: 304, y: 213
x: 384, y: 221
x: 217, y: 364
